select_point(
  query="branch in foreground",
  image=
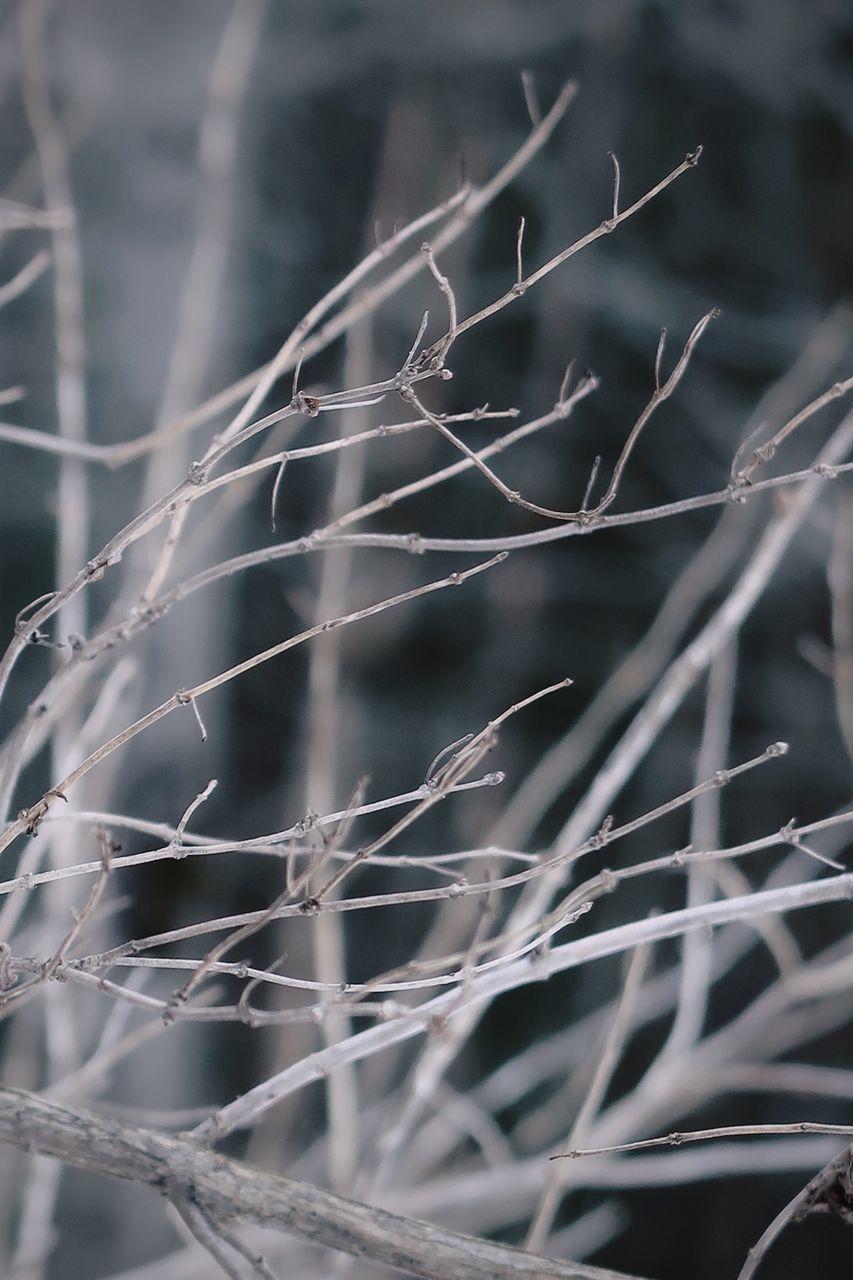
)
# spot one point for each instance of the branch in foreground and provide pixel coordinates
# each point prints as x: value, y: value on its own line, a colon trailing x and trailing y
x: 828, y: 1192
x: 226, y: 1190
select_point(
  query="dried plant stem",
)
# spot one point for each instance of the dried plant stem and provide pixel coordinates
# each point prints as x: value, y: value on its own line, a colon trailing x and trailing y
x: 218, y: 150
x: 604, y: 228
x: 705, y: 1135
x: 697, y: 965
x: 221, y: 1243
x: 684, y: 671
x: 466, y: 205
x: 768, y: 451
x: 608, y: 1060
x: 32, y: 817
x: 829, y: 1189
x: 660, y: 394
x: 246, y: 1109
x: 419, y: 544
x: 325, y: 748
x: 23, y: 279
x: 662, y: 704
x: 223, y: 1190
x: 62, y: 1041
x: 605, y: 882
x: 360, y: 1018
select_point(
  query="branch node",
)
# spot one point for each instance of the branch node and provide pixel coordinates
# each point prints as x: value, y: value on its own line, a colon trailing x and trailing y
x: 303, y: 403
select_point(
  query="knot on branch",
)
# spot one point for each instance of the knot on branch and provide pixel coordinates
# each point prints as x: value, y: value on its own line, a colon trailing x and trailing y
x: 836, y: 1194
x: 95, y: 570
x: 602, y: 835
x: 35, y: 815
x: 303, y: 403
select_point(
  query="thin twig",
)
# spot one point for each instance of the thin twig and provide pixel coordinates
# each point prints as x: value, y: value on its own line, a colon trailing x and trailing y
x: 768, y: 451
x: 23, y: 279
x: 220, y: 1242
x: 705, y: 1135
x: 583, y: 515
x: 81, y: 919
x: 608, y: 1060
x: 246, y: 1109
x: 31, y: 818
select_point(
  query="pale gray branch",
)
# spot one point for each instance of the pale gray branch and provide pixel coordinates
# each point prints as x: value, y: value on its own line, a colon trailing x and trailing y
x: 225, y: 1190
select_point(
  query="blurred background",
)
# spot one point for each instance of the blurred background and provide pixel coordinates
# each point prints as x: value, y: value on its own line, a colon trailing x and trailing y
x: 353, y: 118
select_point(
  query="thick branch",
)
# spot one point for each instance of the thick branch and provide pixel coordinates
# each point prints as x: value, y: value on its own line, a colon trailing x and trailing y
x: 226, y: 1189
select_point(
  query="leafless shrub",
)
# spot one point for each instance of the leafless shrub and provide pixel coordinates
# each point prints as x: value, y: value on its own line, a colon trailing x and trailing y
x: 108, y: 1036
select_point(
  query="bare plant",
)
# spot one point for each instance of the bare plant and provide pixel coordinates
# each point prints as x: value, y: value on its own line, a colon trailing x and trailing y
x: 108, y: 1034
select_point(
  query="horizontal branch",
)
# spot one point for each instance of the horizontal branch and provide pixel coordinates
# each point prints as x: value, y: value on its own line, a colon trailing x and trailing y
x: 228, y: 1190
x: 30, y: 819
x: 704, y: 1135
x: 244, y: 1111
x: 419, y: 544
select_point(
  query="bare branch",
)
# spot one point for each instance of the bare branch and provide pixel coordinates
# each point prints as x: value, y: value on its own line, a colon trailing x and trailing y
x: 828, y: 1191
x: 224, y: 1190
x: 704, y: 1135
x: 768, y: 451
x: 24, y: 278
x: 31, y: 818
x: 583, y: 516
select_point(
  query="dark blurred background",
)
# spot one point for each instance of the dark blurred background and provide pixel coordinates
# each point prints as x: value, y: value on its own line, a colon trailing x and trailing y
x: 358, y: 116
